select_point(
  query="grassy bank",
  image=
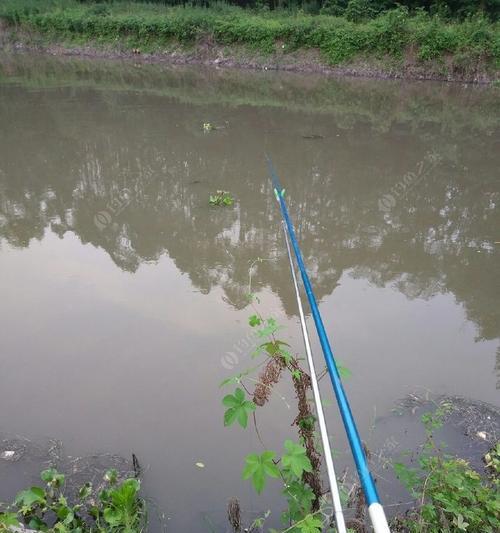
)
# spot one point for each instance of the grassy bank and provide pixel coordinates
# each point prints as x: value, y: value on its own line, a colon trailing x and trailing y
x: 396, y: 40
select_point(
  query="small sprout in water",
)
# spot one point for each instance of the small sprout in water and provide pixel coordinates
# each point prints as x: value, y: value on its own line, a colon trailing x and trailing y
x: 200, y: 465
x: 221, y: 198
x: 207, y: 126
x: 111, y: 476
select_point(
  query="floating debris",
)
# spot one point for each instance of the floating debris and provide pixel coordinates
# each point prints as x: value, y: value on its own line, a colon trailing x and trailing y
x: 312, y: 137
x: 8, y: 455
x: 208, y: 126
x: 13, y: 449
x: 200, y: 465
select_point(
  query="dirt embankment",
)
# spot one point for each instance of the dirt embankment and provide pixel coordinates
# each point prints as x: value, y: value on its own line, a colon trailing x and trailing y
x: 207, y: 53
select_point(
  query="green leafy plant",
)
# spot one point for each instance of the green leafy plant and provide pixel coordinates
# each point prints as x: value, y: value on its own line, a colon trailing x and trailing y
x: 298, y: 467
x: 238, y: 408
x: 221, y: 198
x: 450, y: 495
x: 295, y: 461
x: 258, y: 467
x: 492, y: 460
x: 344, y: 31
x: 117, y: 508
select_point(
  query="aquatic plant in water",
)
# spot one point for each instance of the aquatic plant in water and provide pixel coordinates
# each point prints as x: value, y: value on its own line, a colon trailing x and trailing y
x: 221, y: 198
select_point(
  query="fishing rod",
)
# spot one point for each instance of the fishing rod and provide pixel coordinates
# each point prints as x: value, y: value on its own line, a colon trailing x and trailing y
x: 332, y: 478
x: 375, y: 509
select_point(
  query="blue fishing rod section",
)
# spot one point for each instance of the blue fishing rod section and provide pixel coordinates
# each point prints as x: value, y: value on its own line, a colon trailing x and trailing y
x: 375, y: 509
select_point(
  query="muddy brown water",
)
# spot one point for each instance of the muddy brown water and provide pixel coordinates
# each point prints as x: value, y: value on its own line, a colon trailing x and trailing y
x: 123, y: 293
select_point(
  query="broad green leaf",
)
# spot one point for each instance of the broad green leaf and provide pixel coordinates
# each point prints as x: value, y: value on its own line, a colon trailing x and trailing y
x: 30, y: 496
x: 238, y: 408
x: 300, y: 498
x: 233, y: 380
x: 258, y: 467
x: 124, y: 496
x: 270, y: 329
x: 9, y: 519
x: 48, y: 475
x: 310, y: 524
x: 69, y: 517
x: 254, y: 320
x: 52, y: 477
x: 37, y: 524
x: 296, y: 460
x: 408, y: 476
x: 113, y: 516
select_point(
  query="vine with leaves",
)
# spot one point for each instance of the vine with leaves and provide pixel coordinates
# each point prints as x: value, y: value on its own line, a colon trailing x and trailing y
x: 298, y: 466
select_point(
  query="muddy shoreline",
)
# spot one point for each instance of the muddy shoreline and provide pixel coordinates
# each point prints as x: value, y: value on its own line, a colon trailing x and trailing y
x: 469, y: 430
x: 209, y: 54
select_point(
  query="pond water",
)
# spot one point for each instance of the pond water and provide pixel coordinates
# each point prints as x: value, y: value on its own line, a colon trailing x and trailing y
x: 124, y: 294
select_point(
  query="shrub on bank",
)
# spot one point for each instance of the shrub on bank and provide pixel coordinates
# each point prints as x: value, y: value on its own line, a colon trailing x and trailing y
x: 393, y: 33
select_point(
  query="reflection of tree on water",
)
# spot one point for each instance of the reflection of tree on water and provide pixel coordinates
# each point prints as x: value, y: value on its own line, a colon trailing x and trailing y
x: 65, y: 159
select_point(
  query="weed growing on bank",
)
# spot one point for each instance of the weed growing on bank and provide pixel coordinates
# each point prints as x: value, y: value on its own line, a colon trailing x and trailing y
x: 116, y: 508
x: 298, y: 466
x: 396, y: 33
x: 449, y: 495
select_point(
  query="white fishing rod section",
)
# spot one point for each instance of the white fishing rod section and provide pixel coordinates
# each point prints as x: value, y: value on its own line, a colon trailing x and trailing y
x: 332, y: 478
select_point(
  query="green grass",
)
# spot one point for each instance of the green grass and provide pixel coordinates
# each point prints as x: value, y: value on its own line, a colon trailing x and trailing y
x: 394, y: 34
